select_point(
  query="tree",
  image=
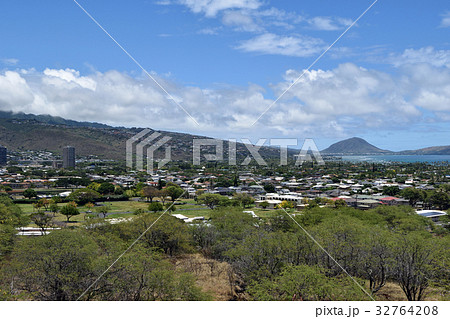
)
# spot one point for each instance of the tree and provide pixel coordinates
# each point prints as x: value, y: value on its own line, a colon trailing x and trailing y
x: 307, y: 283
x: 155, y: 207
x: 264, y: 205
x: 118, y: 190
x: 161, y: 184
x: 94, y: 186
x: 150, y: 192
x: 169, y: 234
x: 415, y: 259
x: 54, y: 208
x: 29, y: 193
x: 106, y: 188
x: 197, y: 194
x: 163, y: 196
x: 340, y: 235
x: 174, y: 192
x: 139, y: 211
x: 244, y: 199
x: 170, y: 207
x: 210, y: 200
x: 143, y: 274
x: 375, y: 257
x: 269, y: 188
x: 44, y: 202
x: 42, y: 220
x: 227, y: 228
x: 69, y: 210
x: 83, y: 196
x: 440, y: 199
x: 412, y: 194
x: 11, y: 217
x: 37, y: 206
x: 14, y: 170
x: 286, y: 205
x: 103, y: 210
x: 391, y: 190
x: 56, y: 199
x: 6, y: 188
x: 89, y: 207
x: 56, y: 267
x: 340, y: 203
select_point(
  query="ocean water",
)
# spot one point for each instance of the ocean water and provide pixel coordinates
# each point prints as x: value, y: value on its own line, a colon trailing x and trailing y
x: 398, y: 158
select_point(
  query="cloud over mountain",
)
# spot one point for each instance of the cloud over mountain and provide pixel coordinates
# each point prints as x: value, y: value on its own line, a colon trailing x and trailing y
x: 323, y: 102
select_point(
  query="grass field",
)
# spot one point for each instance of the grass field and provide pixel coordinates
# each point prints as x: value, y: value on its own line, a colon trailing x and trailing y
x: 186, y: 207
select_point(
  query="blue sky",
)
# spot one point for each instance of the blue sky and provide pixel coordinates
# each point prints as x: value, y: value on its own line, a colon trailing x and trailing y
x: 225, y: 61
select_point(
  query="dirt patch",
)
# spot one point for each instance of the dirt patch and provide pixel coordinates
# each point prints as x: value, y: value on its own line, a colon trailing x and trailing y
x: 214, y: 277
x: 392, y: 292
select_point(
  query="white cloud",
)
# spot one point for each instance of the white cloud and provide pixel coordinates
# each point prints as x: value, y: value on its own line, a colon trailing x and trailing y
x: 428, y: 86
x: 68, y: 77
x: 323, y: 103
x: 14, y: 91
x: 210, y: 8
x: 445, y: 22
x: 255, y: 16
x: 240, y: 20
x: 328, y: 23
x: 427, y: 55
x: 269, y: 43
x: 10, y: 61
x: 209, y: 31
x: 366, y: 96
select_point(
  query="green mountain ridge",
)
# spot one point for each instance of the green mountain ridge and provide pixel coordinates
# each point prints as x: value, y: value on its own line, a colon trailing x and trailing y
x: 354, y: 146
x: 434, y: 150
x: 359, y: 146
x: 20, y: 131
x: 45, y: 132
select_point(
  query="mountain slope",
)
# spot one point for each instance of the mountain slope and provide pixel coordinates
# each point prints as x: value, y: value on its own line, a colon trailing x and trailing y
x: 48, y: 119
x: 353, y: 146
x: 434, y: 150
x: 34, y: 135
x: 19, y: 131
x: 45, y: 132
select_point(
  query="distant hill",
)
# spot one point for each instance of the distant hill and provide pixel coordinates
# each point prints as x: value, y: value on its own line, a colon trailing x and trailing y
x: 20, y: 131
x: 354, y: 146
x: 435, y: 150
x: 18, y: 134
x: 48, y: 119
x: 44, y: 132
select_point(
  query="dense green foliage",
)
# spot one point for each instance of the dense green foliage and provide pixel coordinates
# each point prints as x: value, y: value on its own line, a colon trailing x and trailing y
x: 375, y: 246
x: 282, y: 257
x: 10, y: 218
x: 63, y: 264
x: 83, y: 196
x: 69, y: 210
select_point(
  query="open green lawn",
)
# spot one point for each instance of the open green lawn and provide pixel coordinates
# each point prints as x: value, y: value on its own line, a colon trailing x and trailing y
x: 124, y: 206
x: 265, y: 213
x: 26, y: 208
x: 74, y: 220
x: 117, y: 208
